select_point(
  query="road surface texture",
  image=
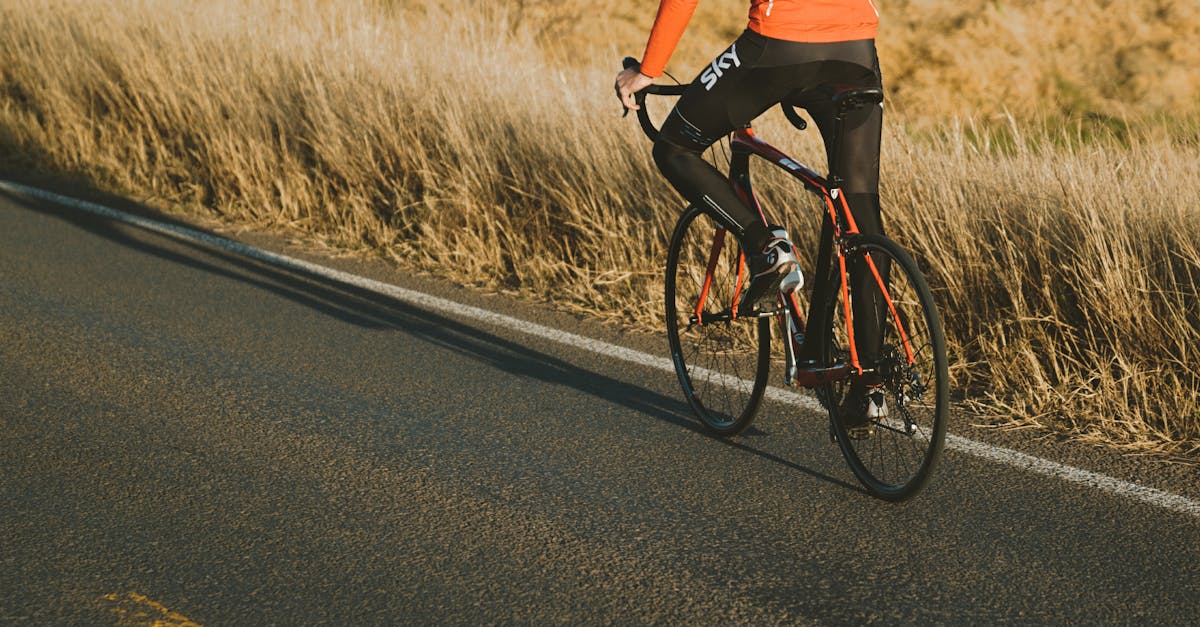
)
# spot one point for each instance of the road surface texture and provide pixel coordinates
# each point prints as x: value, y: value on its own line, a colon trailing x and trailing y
x: 190, y: 434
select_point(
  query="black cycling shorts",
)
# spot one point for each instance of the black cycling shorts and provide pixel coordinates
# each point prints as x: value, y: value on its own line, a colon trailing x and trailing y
x: 752, y: 75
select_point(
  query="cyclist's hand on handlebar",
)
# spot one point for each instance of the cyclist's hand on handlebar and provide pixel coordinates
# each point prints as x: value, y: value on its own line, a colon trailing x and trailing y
x: 628, y: 83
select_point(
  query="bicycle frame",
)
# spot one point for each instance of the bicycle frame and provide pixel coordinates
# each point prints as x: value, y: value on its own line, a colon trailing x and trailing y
x: 837, y: 227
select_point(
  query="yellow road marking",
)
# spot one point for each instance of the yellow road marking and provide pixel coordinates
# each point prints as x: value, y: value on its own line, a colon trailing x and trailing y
x: 132, y: 608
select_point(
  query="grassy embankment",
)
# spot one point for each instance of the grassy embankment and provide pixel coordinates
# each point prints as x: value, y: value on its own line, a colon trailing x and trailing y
x: 1046, y: 174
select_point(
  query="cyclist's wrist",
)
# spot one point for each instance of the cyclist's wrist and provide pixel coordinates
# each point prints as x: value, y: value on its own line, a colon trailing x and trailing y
x: 652, y: 74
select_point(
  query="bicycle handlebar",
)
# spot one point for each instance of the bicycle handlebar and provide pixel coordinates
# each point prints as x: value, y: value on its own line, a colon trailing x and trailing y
x: 789, y: 112
x: 640, y: 98
x: 677, y: 90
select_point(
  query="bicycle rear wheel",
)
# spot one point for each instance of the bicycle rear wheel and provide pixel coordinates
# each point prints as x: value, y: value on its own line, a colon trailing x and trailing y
x: 903, y: 351
x: 722, y: 361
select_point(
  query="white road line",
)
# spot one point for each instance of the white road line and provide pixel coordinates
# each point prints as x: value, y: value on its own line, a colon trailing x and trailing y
x: 1008, y: 457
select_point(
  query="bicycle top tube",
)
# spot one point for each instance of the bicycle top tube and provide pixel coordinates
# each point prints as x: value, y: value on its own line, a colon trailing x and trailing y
x: 744, y: 143
x: 745, y: 140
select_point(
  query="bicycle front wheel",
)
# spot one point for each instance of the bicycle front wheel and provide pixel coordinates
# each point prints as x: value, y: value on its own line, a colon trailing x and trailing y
x: 900, y: 344
x: 722, y: 360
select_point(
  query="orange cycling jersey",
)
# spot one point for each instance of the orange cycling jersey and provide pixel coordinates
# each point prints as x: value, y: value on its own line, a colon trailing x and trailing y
x: 816, y: 21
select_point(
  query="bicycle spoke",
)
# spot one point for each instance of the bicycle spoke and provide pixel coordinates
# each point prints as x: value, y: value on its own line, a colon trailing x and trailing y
x: 722, y: 362
x: 896, y: 460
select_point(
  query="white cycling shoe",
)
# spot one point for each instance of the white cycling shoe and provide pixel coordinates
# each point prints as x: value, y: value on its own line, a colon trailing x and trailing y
x: 772, y: 271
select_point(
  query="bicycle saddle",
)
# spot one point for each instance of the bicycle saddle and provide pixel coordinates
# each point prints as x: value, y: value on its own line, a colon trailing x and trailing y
x: 851, y: 97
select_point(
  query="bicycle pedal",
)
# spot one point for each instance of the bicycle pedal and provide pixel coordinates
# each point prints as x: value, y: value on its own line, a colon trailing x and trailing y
x: 764, y: 313
x: 861, y: 432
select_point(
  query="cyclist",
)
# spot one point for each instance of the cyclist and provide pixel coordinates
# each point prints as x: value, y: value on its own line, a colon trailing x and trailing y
x: 790, y: 48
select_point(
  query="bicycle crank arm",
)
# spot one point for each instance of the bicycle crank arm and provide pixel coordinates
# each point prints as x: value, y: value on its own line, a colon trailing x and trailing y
x: 727, y: 316
x: 809, y: 375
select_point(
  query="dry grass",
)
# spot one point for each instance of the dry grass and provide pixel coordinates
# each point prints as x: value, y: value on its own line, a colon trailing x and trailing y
x: 1109, y: 60
x: 1065, y: 256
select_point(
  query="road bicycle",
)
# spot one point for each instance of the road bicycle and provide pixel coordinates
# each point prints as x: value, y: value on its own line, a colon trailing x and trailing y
x: 858, y: 282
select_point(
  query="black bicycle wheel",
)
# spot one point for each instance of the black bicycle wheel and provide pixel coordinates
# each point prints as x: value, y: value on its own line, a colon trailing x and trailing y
x: 722, y: 361
x: 903, y: 351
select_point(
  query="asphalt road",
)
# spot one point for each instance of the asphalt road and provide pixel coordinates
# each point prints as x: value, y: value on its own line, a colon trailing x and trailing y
x: 189, y: 434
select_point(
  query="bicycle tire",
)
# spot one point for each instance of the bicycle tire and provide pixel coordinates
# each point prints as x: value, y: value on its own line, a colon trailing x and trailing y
x: 723, y: 364
x: 898, y: 459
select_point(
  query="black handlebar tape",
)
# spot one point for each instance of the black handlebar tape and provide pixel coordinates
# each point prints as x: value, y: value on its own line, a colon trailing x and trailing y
x: 640, y: 98
x: 644, y: 116
x: 665, y: 90
x: 789, y: 112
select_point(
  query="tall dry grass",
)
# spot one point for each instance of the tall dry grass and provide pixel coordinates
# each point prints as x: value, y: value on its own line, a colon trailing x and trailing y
x: 461, y: 143
x: 1107, y: 60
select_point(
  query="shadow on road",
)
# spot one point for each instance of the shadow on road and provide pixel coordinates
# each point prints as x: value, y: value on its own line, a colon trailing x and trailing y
x: 369, y: 309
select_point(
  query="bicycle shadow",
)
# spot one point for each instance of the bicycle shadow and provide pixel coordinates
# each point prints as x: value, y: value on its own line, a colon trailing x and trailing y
x: 358, y: 306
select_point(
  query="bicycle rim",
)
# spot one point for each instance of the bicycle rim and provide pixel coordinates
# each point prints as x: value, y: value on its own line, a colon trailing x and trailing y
x: 722, y: 362
x: 909, y: 361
